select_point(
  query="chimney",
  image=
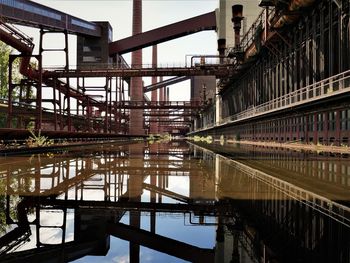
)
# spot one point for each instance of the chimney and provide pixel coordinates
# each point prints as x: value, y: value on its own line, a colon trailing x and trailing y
x: 237, y: 17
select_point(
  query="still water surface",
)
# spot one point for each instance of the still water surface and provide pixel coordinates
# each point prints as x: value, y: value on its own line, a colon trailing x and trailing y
x: 175, y: 202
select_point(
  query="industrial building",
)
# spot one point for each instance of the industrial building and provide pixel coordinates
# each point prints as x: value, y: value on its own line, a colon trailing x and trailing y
x: 272, y: 84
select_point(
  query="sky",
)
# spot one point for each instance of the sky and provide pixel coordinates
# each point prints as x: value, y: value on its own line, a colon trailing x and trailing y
x: 156, y: 13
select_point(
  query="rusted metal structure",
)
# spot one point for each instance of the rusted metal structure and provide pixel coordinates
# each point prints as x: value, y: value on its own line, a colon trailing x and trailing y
x: 273, y: 85
x: 72, y: 107
x: 291, y: 80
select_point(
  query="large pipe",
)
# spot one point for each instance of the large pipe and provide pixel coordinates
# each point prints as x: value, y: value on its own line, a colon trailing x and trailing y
x: 22, y: 47
x: 154, y: 93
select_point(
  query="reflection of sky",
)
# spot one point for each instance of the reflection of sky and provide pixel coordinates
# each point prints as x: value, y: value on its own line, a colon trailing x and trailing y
x: 166, y: 225
x: 50, y: 235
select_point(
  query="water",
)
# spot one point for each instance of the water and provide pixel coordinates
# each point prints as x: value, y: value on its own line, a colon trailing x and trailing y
x: 175, y: 202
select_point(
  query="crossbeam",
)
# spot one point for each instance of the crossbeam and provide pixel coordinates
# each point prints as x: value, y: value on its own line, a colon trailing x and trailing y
x: 165, y: 33
x: 217, y: 70
x: 160, y: 243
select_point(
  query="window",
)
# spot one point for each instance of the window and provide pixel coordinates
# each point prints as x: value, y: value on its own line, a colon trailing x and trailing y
x: 332, y: 120
x: 83, y: 24
x: 320, y: 120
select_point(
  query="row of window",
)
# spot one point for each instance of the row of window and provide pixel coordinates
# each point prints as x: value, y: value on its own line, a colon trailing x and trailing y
x: 45, y: 12
x: 83, y: 24
x: 31, y: 8
x: 295, y: 124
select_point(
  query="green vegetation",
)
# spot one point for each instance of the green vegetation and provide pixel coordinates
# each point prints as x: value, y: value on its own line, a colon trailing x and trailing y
x: 207, y: 139
x: 38, y: 140
x: 5, y: 52
x: 159, y: 137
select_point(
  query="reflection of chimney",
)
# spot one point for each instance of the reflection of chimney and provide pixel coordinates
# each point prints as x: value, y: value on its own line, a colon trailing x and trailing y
x: 221, y: 49
x: 237, y: 17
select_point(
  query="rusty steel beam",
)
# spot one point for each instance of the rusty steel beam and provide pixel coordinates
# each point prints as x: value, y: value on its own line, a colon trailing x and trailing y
x: 160, y: 243
x: 157, y: 114
x: 165, y: 33
x: 157, y: 105
x: 164, y: 192
x: 171, y: 121
x: 220, y: 71
x: 206, y: 208
x: 167, y: 82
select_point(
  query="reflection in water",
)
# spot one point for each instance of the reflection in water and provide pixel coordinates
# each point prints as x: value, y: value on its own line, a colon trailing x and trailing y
x: 245, y: 204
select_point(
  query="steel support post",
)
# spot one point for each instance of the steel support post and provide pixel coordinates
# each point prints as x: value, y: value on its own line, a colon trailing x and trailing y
x: 10, y: 90
x: 39, y: 111
x: 69, y: 123
x: 54, y: 104
x: 106, y: 106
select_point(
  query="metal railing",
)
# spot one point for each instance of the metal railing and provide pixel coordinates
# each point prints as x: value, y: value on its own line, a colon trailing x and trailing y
x: 17, y: 33
x: 326, y: 88
x: 250, y: 35
x: 325, y: 206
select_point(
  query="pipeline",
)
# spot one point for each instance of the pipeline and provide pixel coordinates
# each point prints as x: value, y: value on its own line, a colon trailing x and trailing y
x: 23, y: 44
x: 293, y: 6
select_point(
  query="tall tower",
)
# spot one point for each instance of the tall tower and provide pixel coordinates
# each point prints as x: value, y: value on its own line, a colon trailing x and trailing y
x: 136, y: 89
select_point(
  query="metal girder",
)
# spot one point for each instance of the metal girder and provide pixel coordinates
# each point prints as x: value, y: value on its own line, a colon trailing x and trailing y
x: 157, y: 105
x: 165, y: 33
x: 29, y: 13
x: 165, y: 114
x: 164, y: 83
x: 164, y: 192
x: 203, y: 70
x: 161, y: 243
x: 204, y: 208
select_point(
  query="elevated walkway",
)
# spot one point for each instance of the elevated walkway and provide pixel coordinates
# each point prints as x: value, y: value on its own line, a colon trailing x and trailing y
x: 319, y: 92
x: 32, y: 14
x: 202, y: 70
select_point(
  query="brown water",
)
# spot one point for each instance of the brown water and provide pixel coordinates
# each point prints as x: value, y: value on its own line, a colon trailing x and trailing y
x: 175, y: 202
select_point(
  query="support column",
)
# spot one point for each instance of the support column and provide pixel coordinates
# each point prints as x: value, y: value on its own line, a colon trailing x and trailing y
x: 136, y: 90
x: 154, y: 93
x: 9, y: 96
x: 161, y: 98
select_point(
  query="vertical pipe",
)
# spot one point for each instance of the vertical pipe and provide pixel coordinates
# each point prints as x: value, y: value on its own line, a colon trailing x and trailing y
x: 106, y: 105
x: 39, y: 96
x: 161, y: 98
x: 9, y: 105
x: 78, y: 101
x: 154, y: 93
x: 54, y: 105
x: 60, y: 106
x: 67, y: 84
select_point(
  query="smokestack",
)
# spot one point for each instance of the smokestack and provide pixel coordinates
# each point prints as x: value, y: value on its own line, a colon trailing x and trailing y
x: 221, y: 49
x: 237, y: 17
x: 136, y: 89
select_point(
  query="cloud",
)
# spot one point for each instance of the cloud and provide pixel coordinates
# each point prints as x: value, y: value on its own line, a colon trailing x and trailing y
x: 121, y: 259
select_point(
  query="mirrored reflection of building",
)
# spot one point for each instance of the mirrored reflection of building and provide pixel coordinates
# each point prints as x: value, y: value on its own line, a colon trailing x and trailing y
x: 247, y: 205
